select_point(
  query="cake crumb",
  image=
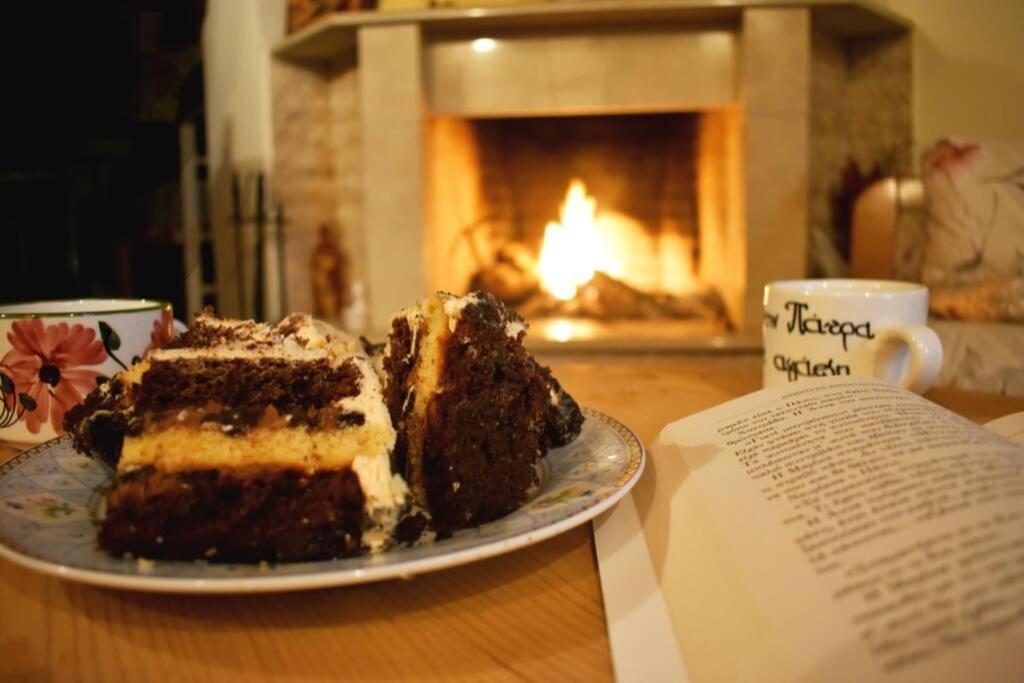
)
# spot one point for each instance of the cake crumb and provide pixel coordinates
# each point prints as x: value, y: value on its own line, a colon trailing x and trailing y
x: 513, y: 328
x: 145, y: 566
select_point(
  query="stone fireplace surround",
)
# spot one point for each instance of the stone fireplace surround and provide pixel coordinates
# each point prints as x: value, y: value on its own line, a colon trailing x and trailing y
x: 365, y: 106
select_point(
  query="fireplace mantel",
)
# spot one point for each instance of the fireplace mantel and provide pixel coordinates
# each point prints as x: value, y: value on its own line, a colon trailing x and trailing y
x: 335, y: 34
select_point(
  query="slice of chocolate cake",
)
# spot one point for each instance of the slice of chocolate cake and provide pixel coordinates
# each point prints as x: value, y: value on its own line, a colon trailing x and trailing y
x: 474, y: 412
x: 241, y: 441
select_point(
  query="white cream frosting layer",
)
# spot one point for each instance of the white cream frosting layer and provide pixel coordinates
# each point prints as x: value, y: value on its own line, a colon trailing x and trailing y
x: 298, y: 337
x: 454, y: 305
x: 370, y: 399
x: 386, y: 498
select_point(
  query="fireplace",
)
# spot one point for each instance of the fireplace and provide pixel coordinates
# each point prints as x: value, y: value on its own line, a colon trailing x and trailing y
x: 622, y: 174
x: 569, y: 217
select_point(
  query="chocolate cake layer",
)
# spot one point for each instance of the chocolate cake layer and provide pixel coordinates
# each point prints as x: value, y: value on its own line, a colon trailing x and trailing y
x: 397, y: 366
x: 563, y: 417
x: 99, y: 424
x: 179, y: 383
x: 203, y: 335
x: 234, y: 516
x: 238, y: 421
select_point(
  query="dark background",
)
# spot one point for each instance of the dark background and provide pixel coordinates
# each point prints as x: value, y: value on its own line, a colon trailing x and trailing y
x: 89, y: 170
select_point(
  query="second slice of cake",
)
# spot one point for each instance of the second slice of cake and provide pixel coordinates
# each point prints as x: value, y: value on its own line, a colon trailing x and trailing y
x: 473, y: 410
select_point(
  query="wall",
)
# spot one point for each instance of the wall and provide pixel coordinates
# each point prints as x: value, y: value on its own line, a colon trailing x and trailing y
x: 968, y: 67
x: 236, y: 44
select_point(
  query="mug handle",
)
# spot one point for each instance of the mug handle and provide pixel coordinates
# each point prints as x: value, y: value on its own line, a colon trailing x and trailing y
x: 925, y: 354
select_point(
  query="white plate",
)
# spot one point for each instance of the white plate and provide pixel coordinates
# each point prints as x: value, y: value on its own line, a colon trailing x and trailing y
x: 48, y: 496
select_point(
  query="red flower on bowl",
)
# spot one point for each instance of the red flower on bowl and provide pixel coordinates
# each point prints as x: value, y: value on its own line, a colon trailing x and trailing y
x: 46, y: 364
x: 163, y: 330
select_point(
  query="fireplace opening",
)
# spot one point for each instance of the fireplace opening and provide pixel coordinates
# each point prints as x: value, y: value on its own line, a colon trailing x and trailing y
x: 586, y: 224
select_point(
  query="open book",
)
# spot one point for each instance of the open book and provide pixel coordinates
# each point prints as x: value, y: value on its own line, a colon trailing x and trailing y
x: 829, y: 530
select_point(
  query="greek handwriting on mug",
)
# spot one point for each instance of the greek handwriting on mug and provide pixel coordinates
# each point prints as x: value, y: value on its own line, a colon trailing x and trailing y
x: 860, y: 328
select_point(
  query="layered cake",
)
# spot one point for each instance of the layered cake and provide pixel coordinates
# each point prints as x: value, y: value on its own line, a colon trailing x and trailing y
x: 241, y: 441
x: 473, y: 411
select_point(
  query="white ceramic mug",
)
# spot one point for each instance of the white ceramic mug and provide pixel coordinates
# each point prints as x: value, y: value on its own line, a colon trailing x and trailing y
x: 53, y: 353
x: 861, y: 328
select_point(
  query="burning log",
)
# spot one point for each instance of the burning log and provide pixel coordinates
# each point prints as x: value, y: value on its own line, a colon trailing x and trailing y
x: 603, y: 297
x: 606, y: 298
x: 512, y: 277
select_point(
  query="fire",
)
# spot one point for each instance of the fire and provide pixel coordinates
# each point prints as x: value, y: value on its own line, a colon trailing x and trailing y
x: 573, y: 248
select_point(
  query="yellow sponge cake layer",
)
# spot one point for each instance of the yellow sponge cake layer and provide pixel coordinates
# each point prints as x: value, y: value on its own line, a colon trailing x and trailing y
x: 429, y: 325
x: 173, y: 449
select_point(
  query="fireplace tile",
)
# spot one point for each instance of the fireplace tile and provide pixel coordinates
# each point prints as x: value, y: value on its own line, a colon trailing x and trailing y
x: 392, y: 120
x: 776, y: 59
x: 777, y: 187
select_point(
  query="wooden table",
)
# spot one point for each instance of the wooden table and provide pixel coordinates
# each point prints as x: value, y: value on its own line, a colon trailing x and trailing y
x: 535, y: 614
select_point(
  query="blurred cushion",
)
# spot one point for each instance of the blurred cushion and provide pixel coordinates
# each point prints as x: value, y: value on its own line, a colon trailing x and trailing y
x: 981, y: 356
x: 974, y: 258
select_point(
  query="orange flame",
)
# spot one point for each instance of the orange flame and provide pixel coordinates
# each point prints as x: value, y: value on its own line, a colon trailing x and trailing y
x: 573, y: 248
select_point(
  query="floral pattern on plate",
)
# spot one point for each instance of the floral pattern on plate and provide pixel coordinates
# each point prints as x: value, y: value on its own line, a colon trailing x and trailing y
x: 44, y: 508
x: 47, y: 524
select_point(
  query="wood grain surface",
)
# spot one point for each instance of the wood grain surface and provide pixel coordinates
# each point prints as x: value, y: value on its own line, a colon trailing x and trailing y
x: 533, y: 615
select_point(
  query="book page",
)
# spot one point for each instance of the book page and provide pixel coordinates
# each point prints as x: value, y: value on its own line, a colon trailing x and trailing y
x: 640, y: 632
x: 838, y: 529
